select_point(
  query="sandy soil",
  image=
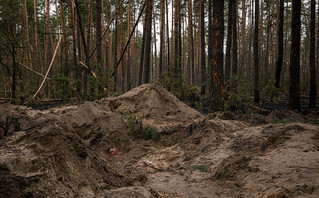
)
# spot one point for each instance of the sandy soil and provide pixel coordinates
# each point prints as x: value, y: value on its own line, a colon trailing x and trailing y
x: 63, y: 151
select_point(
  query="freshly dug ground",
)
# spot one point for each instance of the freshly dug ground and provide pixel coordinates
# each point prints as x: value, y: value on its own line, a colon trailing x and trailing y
x: 63, y: 151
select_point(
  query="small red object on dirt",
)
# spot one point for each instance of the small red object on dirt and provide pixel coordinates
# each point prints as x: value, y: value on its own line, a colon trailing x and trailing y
x: 112, y: 151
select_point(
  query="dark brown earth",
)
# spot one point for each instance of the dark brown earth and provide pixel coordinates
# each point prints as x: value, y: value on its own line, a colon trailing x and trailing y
x: 62, y: 151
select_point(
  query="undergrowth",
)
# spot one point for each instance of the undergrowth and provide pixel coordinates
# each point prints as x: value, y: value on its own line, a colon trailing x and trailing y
x: 135, y: 129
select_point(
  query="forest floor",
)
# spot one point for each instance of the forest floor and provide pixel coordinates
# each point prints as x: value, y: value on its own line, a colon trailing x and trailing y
x: 63, y: 151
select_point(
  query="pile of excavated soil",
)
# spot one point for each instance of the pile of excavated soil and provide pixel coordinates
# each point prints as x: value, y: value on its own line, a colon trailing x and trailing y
x: 63, y: 151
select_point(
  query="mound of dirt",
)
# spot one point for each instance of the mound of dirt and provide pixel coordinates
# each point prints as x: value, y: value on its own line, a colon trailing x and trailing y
x: 63, y: 151
x: 155, y: 105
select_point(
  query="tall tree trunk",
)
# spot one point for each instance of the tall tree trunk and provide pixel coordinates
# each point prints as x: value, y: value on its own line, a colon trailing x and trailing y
x: 229, y: 39
x: 313, y: 87
x: 268, y: 26
x: 65, y: 61
x: 162, y: 38
x: 294, y: 82
x: 36, y: 34
x: 141, y: 68
x: 280, y: 43
x: 203, y: 52
x: 210, y: 39
x: 148, y: 39
x: 77, y: 71
x: 86, y: 51
x: 234, y: 33
x: 256, y: 57
x: 191, y: 58
x: 98, y: 32
x: 47, y: 41
x: 129, y: 64
x: 243, y: 57
x: 177, y: 42
x: 115, y: 48
x: 155, y: 47
x: 28, y: 51
x: 167, y: 32
x: 217, y: 89
x: 122, y: 68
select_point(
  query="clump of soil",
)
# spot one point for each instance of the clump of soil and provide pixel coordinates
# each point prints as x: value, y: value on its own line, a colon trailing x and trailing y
x: 63, y: 151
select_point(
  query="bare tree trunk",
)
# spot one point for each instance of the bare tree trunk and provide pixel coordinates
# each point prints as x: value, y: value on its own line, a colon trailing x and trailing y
x: 256, y: 56
x: 167, y: 31
x: 203, y: 52
x: 191, y: 57
x: 129, y: 64
x: 294, y: 85
x: 313, y: 87
x: 210, y: 38
x: 177, y: 42
x: 28, y: 54
x: 217, y: 79
x: 280, y: 44
x: 77, y: 71
x: 65, y: 62
x: 229, y: 40
x: 162, y: 40
x: 86, y: 51
x: 148, y: 39
x: 155, y: 48
x: 115, y: 50
x: 234, y: 32
x: 98, y: 32
x: 47, y: 41
x: 141, y: 68
x: 243, y: 57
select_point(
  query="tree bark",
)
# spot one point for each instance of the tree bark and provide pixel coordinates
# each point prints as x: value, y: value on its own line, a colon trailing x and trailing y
x: 234, y: 40
x: 141, y: 68
x: 256, y: 55
x: 280, y: 43
x: 191, y: 58
x: 115, y: 49
x: 294, y: 69
x: 167, y: 32
x: 177, y: 42
x: 148, y: 39
x: 98, y: 32
x: 162, y: 38
x: 47, y: 41
x: 217, y: 79
x: 203, y: 52
x: 210, y: 38
x: 129, y: 64
x: 313, y: 87
x: 229, y: 40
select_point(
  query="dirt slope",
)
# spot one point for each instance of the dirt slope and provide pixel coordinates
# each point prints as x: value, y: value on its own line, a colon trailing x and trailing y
x: 62, y: 152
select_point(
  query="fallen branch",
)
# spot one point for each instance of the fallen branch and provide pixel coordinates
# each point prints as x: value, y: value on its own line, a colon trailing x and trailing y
x: 56, y: 49
x: 33, y: 70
